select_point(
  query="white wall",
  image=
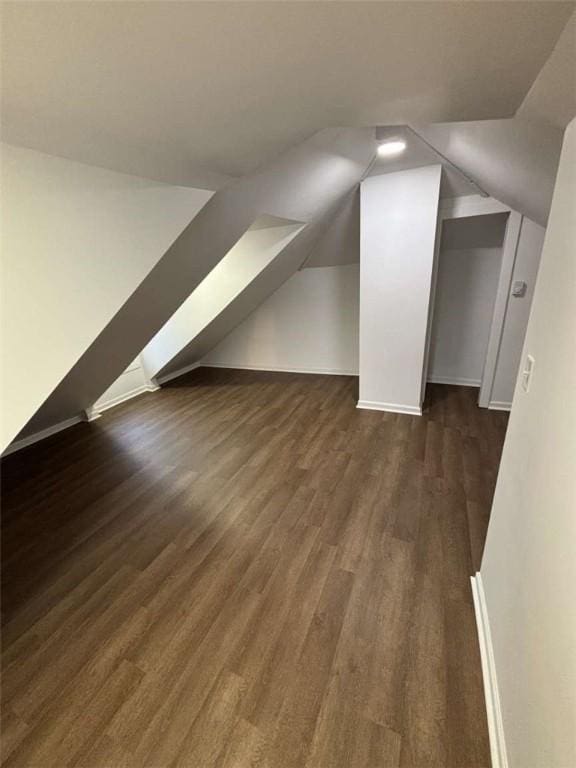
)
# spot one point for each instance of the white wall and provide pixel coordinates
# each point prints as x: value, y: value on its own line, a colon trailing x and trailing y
x: 305, y: 184
x: 243, y: 262
x: 76, y: 241
x: 517, y: 313
x: 529, y: 564
x: 468, y: 271
x: 132, y: 382
x: 340, y: 243
x: 514, y: 160
x: 398, y: 214
x: 309, y: 324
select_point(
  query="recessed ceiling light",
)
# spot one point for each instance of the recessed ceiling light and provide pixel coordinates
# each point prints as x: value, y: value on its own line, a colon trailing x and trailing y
x: 390, y: 148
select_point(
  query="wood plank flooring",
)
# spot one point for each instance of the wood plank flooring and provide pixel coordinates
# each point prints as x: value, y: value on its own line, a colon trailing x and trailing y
x: 243, y: 569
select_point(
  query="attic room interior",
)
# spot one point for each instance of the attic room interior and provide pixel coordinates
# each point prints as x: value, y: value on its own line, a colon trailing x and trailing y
x: 288, y: 384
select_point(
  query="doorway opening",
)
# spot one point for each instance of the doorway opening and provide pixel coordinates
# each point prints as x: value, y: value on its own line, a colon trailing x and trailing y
x: 469, y: 276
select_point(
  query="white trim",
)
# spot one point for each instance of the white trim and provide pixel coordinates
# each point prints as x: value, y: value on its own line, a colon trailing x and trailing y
x: 456, y: 380
x: 470, y: 205
x: 374, y: 405
x: 281, y: 369
x: 431, y: 304
x: 91, y: 414
x: 100, y: 407
x: 493, y: 708
x: 174, y: 374
x: 509, y: 249
x: 475, y: 205
x: 499, y: 405
x: 37, y: 436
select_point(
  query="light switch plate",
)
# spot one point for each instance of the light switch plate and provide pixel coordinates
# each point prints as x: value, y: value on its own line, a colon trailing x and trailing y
x: 527, y: 373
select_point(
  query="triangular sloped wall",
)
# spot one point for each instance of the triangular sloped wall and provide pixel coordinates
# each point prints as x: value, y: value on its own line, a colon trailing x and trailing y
x: 76, y: 241
x: 303, y: 185
x: 242, y: 264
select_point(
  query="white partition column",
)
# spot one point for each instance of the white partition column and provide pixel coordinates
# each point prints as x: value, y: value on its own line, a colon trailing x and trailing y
x: 398, y: 222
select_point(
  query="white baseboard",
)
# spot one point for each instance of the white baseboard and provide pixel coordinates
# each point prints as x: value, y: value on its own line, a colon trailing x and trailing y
x: 280, y: 369
x: 175, y: 374
x: 17, y: 445
x: 101, y: 407
x: 92, y: 413
x: 498, y: 405
x: 491, y: 694
x: 372, y: 405
x: 454, y: 380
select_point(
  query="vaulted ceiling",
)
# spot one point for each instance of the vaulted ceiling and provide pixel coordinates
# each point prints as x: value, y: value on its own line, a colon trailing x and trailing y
x: 552, y: 97
x: 192, y: 93
x: 290, y: 96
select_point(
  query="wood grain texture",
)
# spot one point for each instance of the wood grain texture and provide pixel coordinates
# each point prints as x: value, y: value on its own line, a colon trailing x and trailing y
x: 245, y: 570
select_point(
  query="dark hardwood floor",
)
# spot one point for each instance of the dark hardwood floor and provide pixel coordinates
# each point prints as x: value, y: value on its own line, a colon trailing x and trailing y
x: 245, y: 570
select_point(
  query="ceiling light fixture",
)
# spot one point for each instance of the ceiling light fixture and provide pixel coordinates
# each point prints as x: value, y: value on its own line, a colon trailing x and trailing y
x: 391, y: 148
